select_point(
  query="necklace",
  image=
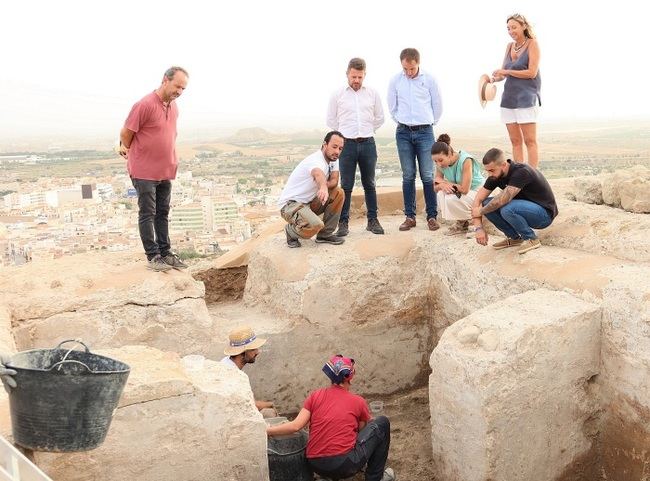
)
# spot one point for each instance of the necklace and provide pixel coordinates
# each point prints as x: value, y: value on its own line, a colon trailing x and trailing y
x: 517, y: 49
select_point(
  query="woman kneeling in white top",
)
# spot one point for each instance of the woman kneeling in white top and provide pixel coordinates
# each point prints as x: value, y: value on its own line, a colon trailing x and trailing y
x: 458, y: 177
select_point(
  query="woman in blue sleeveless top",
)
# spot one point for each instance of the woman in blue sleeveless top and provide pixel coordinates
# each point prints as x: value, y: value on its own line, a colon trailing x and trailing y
x: 458, y: 178
x: 521, y: 92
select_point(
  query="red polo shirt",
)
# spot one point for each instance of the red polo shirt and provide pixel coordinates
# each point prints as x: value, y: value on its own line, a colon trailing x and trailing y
x: 152, y: 154
x: 334, y: 421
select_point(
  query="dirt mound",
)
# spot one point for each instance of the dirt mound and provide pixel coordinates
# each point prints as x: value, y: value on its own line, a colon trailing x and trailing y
x: 223, y: 284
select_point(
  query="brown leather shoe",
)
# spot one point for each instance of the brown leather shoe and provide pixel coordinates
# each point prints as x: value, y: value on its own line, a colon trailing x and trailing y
x: 408, y: 224
x: 433, y: 224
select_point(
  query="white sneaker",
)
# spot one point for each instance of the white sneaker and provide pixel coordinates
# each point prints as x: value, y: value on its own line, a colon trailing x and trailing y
x: 389, y: 475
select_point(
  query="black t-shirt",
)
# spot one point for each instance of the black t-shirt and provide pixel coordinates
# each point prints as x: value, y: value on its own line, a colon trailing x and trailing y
x: 534, y: 186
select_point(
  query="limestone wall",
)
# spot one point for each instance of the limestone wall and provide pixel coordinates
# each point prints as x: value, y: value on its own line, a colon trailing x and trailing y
x: 626, y: 189
x: 626, y: 376
x: 384, y: 300
x: 510, y: 392
x: 107, y: 300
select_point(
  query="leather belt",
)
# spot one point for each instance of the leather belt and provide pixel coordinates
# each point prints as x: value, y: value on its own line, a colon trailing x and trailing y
x: 358, y: 140
x: 415, y: 127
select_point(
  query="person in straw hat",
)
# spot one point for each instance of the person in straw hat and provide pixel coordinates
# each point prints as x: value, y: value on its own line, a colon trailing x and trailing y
x: 243, y: 348
x: 343, y: 438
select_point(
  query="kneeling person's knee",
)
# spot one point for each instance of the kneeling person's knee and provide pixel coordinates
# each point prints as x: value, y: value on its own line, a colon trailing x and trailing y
x: 337, y: 197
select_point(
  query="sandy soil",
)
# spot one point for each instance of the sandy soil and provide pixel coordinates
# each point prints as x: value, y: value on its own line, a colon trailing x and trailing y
x: 223, y: 284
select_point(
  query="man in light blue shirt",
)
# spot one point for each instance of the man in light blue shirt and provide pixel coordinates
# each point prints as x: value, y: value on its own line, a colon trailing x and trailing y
x: 415, y: 104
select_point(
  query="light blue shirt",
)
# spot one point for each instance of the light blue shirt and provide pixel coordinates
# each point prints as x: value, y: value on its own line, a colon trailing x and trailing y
x: 415, y: 101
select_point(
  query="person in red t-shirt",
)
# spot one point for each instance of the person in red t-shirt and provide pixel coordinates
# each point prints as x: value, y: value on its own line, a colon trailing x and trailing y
x: 342, y: 436
x: 147, y: 141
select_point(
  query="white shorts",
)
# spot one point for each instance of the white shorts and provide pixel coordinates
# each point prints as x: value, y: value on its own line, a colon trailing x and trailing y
x: 519, y: 116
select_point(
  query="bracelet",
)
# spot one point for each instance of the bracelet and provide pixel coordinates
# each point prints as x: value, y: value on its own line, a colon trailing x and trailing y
x: 479, y: 217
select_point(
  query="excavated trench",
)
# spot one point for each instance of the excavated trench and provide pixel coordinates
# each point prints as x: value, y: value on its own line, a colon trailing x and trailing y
x: 618, y: 428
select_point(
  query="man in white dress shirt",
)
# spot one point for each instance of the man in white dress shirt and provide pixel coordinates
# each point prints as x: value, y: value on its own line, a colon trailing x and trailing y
x: 356, y: 111
x: 311, y: 190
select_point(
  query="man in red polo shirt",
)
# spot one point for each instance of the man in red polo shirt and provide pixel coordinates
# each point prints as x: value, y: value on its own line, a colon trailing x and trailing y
x: 147, y: 141
x: 343, y: 438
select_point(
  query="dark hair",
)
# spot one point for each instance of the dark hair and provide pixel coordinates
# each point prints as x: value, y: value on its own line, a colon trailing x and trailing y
x: 171, y: 71
x: 331, y: 134
x: 442, y: 146
x: 357, y: 64
x: 494, y: 155
x: 410, y: 54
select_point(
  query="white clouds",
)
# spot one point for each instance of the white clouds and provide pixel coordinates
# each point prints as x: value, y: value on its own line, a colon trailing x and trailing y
x: 78, y: 66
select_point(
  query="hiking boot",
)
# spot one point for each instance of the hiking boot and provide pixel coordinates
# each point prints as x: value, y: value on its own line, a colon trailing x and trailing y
x: 389, y: 475
x: 433, y: 224
x: 291, y: 242
x: 374, y: 226
x: 330, y: 239
x: 507, y: 243
x: 408, y: 224
x: 460, y: 227
x: 343, y: 229
x: 529, y: 245
x: 156, y: 263
x: 174, y: 261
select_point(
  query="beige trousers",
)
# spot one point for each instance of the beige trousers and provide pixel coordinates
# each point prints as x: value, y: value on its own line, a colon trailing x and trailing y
x: 453, y: 208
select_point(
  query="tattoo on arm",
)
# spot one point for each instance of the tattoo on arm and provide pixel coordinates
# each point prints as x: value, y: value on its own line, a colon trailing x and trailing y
x: 500, y: 200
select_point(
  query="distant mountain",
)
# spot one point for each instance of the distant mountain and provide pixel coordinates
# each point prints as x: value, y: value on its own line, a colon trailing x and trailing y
x: 252, y: 134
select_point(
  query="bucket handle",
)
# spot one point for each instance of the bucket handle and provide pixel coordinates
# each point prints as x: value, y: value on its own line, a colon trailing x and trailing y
x: 65, y: 358
x: 78, y: 341
x: 61, y: 363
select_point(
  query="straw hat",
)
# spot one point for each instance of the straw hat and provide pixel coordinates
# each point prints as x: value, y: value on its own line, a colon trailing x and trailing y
x: 486, y: 90
x: 242, y: 339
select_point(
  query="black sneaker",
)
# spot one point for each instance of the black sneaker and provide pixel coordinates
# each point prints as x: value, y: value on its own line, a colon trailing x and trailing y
x: 156, y: 263
x: 374, y: 226
x: 291, y: 242
x: 330, y: 239
x: 174, y: 261
x: 343, y: 229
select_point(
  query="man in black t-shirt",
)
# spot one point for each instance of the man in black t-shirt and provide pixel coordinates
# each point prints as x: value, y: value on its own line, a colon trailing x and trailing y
x: 526, y: 202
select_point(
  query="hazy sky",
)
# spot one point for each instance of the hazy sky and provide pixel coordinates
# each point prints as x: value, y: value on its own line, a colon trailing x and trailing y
x: 78, y: 66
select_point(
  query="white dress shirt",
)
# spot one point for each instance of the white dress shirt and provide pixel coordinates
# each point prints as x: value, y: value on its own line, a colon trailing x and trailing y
x: 355, y: 113
x: 414, y: 101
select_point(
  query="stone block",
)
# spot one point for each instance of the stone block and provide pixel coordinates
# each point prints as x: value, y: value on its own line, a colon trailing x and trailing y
x: 513, y: 404
x: 588, y: 190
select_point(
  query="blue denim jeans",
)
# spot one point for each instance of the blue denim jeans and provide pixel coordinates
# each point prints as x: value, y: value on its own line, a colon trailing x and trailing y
x: 154, y: 197
x: 518, y: 218
x: 365, y: 155
x: 371, y: 449
x: 412, y: 145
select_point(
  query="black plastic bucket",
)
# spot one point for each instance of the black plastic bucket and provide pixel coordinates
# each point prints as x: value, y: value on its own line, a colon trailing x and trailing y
x: 287, y: 460
x: 65, y: 399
